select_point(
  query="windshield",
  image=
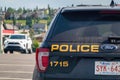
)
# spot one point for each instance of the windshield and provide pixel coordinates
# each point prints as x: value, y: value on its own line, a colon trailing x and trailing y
x: 17, y: 37
x: 72, y: 26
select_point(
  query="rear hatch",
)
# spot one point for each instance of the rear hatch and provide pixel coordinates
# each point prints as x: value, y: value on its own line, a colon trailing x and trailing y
x: 85, y: 43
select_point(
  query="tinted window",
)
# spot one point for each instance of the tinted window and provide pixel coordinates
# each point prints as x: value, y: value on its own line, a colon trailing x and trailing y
x: 72, y: 26
x: 17, y: 37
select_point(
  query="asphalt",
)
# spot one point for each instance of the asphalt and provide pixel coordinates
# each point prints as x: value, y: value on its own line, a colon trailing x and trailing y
x: 16, y: 66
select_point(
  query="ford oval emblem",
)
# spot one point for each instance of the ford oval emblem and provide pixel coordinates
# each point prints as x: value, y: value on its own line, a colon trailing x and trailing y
x: 109, y: 47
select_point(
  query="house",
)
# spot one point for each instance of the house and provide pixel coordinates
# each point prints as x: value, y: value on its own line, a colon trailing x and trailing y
x: 40, y: 30
x: 25, y: 15
x: 40, y: 13
x: 40, y: 27
x: 39, y: 37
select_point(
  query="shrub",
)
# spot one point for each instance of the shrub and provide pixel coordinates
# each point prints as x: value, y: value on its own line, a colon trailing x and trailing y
x: 35, y: 44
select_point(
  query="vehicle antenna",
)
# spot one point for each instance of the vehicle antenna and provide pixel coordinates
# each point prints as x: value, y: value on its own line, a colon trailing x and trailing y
x: 112, y: 4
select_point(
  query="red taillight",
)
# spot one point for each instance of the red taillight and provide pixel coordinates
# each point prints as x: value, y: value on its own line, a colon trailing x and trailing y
x: 42, y: 59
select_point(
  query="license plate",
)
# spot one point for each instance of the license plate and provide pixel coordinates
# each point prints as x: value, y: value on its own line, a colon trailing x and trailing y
x: 107, y: 68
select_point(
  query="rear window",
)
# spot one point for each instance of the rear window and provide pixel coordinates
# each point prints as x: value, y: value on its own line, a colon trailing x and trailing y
x: 74, y: 25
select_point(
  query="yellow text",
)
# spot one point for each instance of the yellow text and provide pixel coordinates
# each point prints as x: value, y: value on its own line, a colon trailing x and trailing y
x: 72, y: 48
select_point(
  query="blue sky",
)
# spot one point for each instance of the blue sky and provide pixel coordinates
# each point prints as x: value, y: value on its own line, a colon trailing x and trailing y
x: 53, y: 3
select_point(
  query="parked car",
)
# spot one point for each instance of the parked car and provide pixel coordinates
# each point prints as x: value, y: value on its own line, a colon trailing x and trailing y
x: 18, y: 42
x: 83, y: 43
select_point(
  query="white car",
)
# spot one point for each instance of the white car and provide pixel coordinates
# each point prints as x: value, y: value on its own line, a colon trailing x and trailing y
x: 18, y: 42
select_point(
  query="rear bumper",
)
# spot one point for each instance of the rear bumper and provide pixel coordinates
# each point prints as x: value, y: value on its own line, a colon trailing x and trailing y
x: 78, y: 77
x: 84, y: 70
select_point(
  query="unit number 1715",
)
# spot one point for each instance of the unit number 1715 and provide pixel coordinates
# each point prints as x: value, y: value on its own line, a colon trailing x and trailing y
x: 59, y: 63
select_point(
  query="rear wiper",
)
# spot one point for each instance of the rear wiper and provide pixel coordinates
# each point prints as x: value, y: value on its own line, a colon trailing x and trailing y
x: 114, y: 39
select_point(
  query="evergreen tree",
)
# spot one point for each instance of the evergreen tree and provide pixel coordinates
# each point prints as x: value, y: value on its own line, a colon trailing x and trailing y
x: 10, y: 10
x: 29, y: 21
x: 72, y: 5
x: 1, y: 9
x: 24, y: 10
x: 20, y: 10
x: 49, y: 10
x: 5, y: 9
x: 14, y: 20
x: 37, y: 8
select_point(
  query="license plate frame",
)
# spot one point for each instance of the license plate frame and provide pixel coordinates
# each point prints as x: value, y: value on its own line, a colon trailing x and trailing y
x: 107, y: 68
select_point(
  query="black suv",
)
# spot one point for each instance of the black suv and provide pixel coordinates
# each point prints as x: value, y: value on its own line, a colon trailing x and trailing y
x: 83, y: 43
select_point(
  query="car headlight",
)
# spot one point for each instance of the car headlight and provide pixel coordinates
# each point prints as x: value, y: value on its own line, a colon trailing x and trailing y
x: 6, y: 42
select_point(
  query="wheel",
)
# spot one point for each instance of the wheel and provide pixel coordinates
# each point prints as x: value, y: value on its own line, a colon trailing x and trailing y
x: 30, y: 51
x: 36, y: 75
x: 26, y: 51
x: 5, y: 51
x: 11, y: 52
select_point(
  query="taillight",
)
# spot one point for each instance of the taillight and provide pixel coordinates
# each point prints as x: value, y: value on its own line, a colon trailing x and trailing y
x: 42, y: 59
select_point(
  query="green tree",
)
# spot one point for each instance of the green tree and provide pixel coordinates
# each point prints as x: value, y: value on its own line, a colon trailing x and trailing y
x: 5, y: 9
x: 28, y: 10
x: 52, y: 13
x: 10, y: 10
x: 49, y: 10
x: 24, y: 10
x: 36, y: 20
x: 49, y: 20
x: 1, y: 9
x: 14, y: 20
x: 36, y: 8
x: 31, y: 32
x: 29, y: 21
x: 72, y: 5
x: 20, y: 10
x: 35, y: 44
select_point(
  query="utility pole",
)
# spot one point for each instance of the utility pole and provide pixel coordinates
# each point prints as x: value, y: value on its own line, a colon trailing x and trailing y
x: 0, y: 37
x: 1, y: 19
x: 2, y: 15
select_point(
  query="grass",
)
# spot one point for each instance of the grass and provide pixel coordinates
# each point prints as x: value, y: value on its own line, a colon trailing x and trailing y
x: 23, y: 22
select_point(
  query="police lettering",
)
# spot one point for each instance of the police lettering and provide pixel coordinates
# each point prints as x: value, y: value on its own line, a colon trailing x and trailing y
x: 78, y: 48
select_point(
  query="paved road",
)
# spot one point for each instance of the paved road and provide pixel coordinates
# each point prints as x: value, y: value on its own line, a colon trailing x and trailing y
x: 16, y: 66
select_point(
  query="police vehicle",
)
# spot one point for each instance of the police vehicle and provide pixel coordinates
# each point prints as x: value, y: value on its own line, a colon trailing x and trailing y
x: 83, y: 43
